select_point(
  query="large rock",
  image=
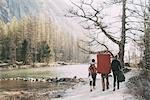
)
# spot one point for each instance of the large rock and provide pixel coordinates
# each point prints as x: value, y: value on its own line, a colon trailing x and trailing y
x: 125, y: 70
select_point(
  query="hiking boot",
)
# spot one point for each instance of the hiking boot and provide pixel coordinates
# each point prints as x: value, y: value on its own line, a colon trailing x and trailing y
x: 91, y: 90
x: 114, y: 89
x: 107, y: 87
x: 103, y: 90
x: 118, y: 87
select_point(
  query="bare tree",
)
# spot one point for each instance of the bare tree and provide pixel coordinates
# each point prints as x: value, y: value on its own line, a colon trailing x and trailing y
x: 141, y: 12
x: 147, y: 39
x: 94, y: 17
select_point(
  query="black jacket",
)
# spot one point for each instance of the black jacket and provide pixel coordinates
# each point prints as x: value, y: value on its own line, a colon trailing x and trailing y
x: 115, y: 65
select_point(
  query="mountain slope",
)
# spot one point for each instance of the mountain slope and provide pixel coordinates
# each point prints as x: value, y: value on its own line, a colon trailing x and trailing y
x: 47, y: 9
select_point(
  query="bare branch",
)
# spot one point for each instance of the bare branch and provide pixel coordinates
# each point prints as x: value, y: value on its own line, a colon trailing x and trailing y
x: 94, y: 52
x: 85, y: 50
x: 135, y: 40
x: 108, y: 35
x: 99, y: 43
x: 134, y: 12
x: 140, y: 5
x: 96, y: 22
x: 131, y: 28
x: 79, y: 7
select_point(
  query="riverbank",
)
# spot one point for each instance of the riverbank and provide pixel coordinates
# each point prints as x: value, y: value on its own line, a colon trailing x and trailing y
x: 42, y: 72
x: 40, y: 83
x: 25, y: 71
x: 6, y: 66
x: 19, y: 90
x: 36, y: 88
x: 30, y: 90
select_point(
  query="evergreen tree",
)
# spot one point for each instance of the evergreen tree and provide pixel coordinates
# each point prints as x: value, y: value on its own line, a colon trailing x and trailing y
x: 24, y: 49
x: 5, y: 53
x: 43, y: 52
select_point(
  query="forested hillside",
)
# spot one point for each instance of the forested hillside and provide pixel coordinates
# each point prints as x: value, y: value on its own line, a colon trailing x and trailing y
x: 27, y: 34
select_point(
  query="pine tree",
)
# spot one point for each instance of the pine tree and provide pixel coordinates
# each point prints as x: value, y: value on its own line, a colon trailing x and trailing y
x: 43, y: 52
x: 5, y: 53
x: 24, y: 49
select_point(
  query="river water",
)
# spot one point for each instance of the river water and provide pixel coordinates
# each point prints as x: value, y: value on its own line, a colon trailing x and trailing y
x: 81, y: 71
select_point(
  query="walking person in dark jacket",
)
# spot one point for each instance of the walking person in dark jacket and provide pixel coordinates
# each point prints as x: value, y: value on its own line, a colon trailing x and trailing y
x: 115, y: 66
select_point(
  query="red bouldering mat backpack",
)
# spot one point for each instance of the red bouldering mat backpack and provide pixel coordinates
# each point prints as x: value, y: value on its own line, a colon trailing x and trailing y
x: 103, y: 64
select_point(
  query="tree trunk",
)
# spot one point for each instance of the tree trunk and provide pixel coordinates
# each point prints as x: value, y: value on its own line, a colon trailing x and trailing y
x: 121, y: 54
x: 13, y: 52
x: 123, y: 34
x: 147, y: 40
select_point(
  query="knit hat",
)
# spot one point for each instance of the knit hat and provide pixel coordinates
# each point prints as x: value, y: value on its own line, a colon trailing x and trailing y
x: 93, y: 61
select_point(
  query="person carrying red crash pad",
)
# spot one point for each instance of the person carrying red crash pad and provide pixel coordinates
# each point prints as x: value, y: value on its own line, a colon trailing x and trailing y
x: 104, y: 68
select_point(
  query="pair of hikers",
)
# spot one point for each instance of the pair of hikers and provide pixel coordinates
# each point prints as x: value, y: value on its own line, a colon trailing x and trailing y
x: 115, y: 67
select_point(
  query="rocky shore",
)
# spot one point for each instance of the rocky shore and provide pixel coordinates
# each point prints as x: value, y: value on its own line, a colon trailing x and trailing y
x: 7, y: 66
x: 74, y: 79
x: 41, y: 89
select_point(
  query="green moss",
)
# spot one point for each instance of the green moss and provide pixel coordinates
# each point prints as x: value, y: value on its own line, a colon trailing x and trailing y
x: 26, y: 73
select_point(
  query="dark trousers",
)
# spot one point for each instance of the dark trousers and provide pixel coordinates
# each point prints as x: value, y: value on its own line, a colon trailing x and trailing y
x: 93, y: 82
x: 105, y: 76
x: 115, y: 79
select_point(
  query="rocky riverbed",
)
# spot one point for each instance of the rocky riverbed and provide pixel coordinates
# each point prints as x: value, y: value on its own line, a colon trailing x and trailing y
x: 43, y: 83
x: 36, y: 89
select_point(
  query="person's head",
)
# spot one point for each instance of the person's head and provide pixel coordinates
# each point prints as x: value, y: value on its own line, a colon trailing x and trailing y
x: 93, y: 61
